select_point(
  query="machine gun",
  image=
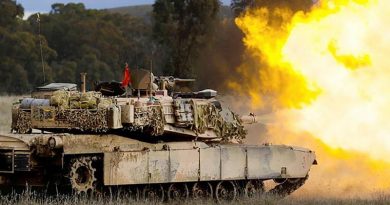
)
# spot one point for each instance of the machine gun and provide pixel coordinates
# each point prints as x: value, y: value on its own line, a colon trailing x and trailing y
x: 169, y: 82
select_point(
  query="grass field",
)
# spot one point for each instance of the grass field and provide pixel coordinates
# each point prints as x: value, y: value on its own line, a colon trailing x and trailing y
x: 5, y: 112
x: 306, y: 197
x: 28, y: 198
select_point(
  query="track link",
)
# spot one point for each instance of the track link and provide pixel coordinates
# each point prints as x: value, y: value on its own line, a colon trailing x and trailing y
x: 286, y: 188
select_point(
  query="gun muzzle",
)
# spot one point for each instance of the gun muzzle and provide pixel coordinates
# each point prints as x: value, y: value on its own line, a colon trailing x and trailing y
x: 250, y: 119
x: 182, y: 80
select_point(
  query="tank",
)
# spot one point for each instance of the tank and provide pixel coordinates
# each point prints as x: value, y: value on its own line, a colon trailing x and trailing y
x: 153, y: 139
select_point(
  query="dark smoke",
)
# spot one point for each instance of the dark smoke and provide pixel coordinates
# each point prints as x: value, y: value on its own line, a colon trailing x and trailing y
x: 294, y: 5
x: 219, y: 59
x: 221, y: 56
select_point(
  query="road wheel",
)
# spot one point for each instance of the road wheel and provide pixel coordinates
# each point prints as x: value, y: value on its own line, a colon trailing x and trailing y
x: 253, y: 188
x: 202, y: 190
x: 178, y: 192
x: 153, y: 193
x: 134, y: 193
x: 225, y: 191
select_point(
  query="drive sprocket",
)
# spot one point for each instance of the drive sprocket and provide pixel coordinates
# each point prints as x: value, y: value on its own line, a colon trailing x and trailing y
x: 82, y: 175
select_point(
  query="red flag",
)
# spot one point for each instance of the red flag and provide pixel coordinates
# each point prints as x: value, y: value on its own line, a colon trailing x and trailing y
x: 126, y: 77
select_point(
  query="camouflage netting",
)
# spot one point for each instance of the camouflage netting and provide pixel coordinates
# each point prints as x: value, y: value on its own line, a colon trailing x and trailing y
x: 83, y: 100
x: 85, y: 120
x: 208, y: 117
x: 60, y: 98
x: 82, y: 111
x: 151, y: 117
x: 76, y: 100
x: 104, y: 103
x: 23, y: 122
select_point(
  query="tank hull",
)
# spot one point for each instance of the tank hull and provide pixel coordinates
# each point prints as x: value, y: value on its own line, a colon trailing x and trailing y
x: 197, y: 163
x: 113, y: 160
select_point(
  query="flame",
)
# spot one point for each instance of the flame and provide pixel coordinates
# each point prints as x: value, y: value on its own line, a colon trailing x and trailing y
x: 325, y: 72
x: 266, y: 34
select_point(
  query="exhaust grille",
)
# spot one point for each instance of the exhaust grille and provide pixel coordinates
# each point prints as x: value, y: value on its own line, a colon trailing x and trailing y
x: 6, y: 160
x: 22, y: 162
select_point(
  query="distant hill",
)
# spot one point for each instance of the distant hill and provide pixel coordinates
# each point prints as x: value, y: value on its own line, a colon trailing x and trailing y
x: 145, y: 11
x: 140, y: 11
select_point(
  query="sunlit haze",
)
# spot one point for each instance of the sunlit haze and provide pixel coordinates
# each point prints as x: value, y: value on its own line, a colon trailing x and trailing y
x: 45, y: 5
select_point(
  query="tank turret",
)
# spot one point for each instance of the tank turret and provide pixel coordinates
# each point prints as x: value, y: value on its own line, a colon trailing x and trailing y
x: 153, y: 106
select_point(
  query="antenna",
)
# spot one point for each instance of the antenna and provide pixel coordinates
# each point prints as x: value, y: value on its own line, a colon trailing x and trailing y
x: 137, y: 67
x: 151, y: 75
x: 40, y: 45
x: 136, y: 57
x: 151, y: 78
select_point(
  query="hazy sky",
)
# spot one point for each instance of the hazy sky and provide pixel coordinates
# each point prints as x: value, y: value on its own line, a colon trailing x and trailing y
x: 32, y: 6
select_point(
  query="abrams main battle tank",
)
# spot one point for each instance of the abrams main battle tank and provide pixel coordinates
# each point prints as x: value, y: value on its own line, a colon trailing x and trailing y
x: 151, y: 139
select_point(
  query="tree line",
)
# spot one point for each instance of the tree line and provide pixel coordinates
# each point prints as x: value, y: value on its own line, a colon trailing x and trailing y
x: 184, y: 38
x: 73, y: 39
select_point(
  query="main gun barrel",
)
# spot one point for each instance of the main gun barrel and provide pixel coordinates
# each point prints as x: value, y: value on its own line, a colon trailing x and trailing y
x: 250, y: 119
x: 262, y: 119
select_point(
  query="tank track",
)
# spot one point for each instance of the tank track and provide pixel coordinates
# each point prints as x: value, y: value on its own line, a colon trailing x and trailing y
x: 287, y: 187
x: 231, y: 191
x: 83, y: 180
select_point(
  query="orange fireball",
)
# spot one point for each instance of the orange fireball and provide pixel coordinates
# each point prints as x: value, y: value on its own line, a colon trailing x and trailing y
x: 324, y: 72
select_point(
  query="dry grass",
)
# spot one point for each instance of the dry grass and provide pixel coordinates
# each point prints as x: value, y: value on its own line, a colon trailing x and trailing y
x: 32, y: 198
x: 5, y: 112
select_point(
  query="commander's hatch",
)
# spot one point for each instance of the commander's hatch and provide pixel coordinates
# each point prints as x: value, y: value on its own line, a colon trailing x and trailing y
x: 46, y: 91
x: 141, y: 79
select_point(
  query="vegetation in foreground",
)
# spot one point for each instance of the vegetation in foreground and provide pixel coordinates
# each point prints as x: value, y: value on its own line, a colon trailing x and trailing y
x: 29, y: 197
